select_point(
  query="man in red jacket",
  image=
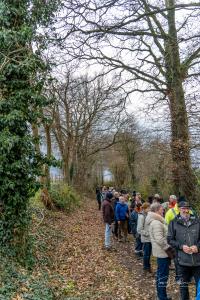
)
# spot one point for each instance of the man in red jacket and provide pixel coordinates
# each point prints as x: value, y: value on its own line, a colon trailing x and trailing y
x: 108, y: 217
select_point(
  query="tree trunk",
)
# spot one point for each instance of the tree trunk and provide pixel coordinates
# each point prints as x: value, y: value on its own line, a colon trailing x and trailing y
x: 49, y: 153
x: 183, y: 176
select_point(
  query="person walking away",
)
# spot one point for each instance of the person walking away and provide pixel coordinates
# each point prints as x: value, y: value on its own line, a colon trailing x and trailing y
x: 143, y: 229
x: 121, y: 213
x: 108, y: 217
x: 160, y: 247
x: 98, y: 197
x: 184, y: 236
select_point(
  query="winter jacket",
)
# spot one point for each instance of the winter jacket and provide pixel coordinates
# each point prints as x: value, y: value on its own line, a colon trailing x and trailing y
x: 121, y: 211
x: 108, y: 212
x: 143, y: 228
x: 171, y: 214
x: 133, y: 222
x: 158, y: 234
x: 181, y: 233
x: 116, y: 201
x: 98, y: 196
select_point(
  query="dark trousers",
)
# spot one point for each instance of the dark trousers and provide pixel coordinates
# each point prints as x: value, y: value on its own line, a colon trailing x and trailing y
x: 147, y: 249
x: 138, y: 245
x: 99, y: 203
x: 162, y: 277
x: 115, y: 230
x: 177, y: 269
x: 123, y: 228
x: 186, y: 274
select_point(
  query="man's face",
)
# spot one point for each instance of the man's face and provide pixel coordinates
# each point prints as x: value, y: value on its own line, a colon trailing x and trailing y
x: 122, y: 199
x: 184, y: 211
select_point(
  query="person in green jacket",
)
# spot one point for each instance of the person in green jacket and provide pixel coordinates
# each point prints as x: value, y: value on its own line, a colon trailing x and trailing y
x: 171, y: 213
x: 174, y: 210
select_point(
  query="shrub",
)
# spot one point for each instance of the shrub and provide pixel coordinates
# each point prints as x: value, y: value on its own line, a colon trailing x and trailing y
x: 36, y: 200
x: 64, y: 197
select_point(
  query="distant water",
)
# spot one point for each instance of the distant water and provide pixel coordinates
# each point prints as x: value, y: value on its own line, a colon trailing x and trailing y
x: 107, y: 174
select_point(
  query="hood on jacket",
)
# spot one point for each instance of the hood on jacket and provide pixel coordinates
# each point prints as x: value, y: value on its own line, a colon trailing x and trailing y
x: 151, y: 216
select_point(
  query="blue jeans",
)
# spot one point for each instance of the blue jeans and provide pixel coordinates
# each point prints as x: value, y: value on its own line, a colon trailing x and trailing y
x: 107, y: 235
x: 198, y: 291
x: 147, y: 249
x: 162, y: 277
x: 138, y: 245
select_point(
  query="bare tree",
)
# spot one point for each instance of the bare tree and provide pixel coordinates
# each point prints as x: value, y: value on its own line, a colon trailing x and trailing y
x: 153, y: 47
x: 84, y: 112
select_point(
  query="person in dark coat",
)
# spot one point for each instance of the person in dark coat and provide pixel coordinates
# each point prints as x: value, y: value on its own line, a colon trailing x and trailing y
x: 108, y: 217
x: 99, y: 197
x: 184, y: 237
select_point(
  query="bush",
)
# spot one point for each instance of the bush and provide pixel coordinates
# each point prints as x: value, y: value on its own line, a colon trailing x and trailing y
x: 36, y: 200
x: 64, y: 197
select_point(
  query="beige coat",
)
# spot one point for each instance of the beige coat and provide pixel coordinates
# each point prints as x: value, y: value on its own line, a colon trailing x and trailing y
x: 158, y: 234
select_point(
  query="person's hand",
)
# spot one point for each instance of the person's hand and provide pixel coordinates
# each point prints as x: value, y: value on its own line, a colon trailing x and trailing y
x: 194, y: 249
x: 187, y: 249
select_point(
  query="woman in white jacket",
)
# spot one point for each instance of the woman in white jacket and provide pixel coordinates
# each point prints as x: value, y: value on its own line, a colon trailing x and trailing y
x: 158, y: 236
x: 143, y: 230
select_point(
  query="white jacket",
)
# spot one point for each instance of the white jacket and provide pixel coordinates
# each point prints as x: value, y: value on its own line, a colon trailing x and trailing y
x: 158, y: 235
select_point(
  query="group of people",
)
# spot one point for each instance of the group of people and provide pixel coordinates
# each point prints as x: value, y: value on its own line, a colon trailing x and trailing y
x: 170, y: 231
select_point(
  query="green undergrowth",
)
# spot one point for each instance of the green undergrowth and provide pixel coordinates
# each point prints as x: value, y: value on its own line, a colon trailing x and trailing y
x: 37, y: 278
x: 34, y: 277
x: 64, y: 197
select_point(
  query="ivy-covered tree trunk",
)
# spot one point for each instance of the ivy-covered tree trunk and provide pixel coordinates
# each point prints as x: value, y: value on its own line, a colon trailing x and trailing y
x: 19, y: 94
x: 183, y: 176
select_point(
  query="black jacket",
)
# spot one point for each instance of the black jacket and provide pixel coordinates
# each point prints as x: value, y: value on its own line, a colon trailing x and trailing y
x: 179, y: 234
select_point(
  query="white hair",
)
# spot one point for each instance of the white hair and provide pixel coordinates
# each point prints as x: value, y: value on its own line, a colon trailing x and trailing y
x: 155, y: 207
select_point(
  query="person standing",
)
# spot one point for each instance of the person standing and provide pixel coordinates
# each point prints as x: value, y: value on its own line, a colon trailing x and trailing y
x: 108, y: 217
x: 158, y: 237
x: 143, y: 230
x: 184, y: 236
x: 116, y: 201
x: 122, y: 214
x: 99, y: 197
x: 173, y: 210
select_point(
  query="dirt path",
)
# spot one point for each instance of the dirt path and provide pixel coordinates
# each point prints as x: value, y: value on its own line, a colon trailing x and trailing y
x: 92, y: 273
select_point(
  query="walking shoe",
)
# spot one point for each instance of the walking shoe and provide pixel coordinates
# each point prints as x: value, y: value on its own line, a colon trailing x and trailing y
x: 111, y: 249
